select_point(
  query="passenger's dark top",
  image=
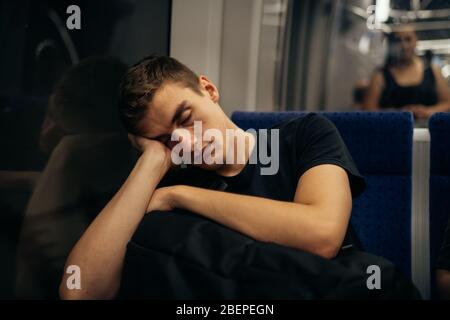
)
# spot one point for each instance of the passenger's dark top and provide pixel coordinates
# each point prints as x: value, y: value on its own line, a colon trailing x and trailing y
x: 398, y: 96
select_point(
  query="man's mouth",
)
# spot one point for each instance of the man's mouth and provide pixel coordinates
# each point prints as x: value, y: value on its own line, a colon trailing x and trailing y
x: 198, y: 155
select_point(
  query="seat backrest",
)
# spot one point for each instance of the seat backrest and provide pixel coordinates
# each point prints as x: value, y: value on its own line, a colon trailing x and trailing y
x: 439, y: 126
x: 381, y: 146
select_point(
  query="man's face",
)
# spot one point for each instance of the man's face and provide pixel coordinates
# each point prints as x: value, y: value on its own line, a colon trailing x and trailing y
x: 177, y: 107
x: 405, y: 43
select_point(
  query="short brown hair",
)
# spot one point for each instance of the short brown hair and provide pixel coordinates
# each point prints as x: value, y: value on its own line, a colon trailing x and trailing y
x: 141, y: 82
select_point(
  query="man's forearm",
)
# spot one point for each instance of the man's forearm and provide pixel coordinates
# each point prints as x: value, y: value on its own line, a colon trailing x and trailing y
x: 291, y: 224
x: 101, y: 250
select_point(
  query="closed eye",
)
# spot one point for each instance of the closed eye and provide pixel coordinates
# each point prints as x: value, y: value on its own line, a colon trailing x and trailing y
x: 187, y: 120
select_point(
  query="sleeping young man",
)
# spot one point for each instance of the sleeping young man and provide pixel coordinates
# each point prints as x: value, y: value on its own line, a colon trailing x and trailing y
x: 304, y: 205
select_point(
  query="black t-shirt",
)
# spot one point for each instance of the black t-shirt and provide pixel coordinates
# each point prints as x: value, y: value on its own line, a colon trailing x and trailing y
x: 304, y: 142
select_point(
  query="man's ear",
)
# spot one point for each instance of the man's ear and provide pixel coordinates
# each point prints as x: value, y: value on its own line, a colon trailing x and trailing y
x: 210, y: 88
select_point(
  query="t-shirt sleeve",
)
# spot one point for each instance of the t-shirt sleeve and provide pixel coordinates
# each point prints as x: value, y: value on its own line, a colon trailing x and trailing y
x: 319, y: 142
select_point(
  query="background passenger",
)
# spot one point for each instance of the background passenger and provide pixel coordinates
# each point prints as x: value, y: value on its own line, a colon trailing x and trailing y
x: 406, y: 81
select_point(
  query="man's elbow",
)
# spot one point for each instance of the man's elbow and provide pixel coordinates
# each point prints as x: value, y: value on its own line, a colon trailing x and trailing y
x: 321, y: 247
x: 72, y: 294
x: 328, y: 251
x: 328, y: 245
x: 80, y: 294
x: 67, y: 294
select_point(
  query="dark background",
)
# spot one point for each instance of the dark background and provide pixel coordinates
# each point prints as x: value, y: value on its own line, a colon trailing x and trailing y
x: 36, y: 48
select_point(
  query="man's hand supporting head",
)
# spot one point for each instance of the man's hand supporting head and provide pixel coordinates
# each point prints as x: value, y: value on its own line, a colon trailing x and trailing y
x: 100, y: 251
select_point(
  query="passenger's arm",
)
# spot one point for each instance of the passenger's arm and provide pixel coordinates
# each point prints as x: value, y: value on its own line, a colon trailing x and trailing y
x: 443, y: 94
x: 101, y: 250
x: 443, y: 283
x: 316, y: 221
x: 373, y: 93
